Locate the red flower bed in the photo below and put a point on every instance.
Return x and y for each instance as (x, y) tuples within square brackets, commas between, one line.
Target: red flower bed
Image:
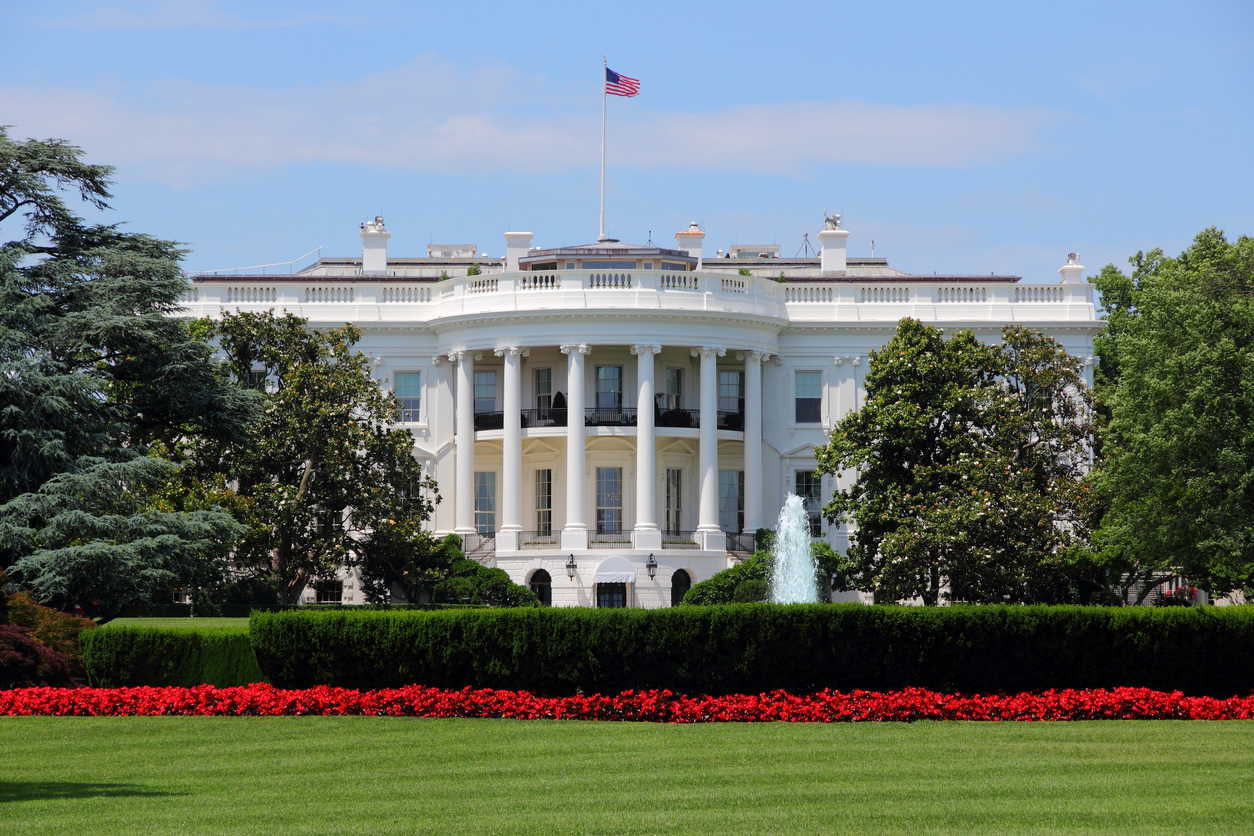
[(648, 706)]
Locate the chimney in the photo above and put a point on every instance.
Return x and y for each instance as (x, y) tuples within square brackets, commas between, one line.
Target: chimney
[(374, 247), (1072, 270), (832, 245), (517, 245), (690, 241)]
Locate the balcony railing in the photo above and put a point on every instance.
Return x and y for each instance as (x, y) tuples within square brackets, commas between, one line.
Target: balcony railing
[(479, 546), (742, 543), (679, 539), (550, 539), (609, 539), (601, 417)]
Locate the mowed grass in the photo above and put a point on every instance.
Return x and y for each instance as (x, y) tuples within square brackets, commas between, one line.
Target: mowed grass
[(285, 775), (179, 623)]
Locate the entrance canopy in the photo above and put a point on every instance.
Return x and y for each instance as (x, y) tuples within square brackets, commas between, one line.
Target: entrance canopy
[(615, 570)]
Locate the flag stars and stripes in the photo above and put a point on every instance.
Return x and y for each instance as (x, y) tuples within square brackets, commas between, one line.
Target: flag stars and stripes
[(620, 85)]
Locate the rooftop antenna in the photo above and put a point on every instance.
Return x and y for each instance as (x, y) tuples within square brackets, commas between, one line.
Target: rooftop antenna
[(872, 248), (650, 243), (806, 247)]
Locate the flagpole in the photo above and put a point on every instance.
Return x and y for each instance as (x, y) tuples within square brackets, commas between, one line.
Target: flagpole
[(604, 64)]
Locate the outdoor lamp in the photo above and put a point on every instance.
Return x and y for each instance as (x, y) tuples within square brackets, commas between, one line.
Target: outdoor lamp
[(571, 566), (651, 565)]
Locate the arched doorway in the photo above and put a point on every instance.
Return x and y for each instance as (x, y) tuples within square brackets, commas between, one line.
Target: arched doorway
[(542, 585), (681, 582)]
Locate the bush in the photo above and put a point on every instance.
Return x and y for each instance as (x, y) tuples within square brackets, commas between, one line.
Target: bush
[(26, 662), (721, 589), (52, 628), (751, 648), (127, 656), (749, 591)]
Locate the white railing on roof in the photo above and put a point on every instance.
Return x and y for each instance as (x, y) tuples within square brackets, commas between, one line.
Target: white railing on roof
[(540, 281), (884, 293), (962, 294), (250, 293), (809, 293), (1040, 293), (609, 280), (414, 294), (290, 265), (315, 294), (679, 281)]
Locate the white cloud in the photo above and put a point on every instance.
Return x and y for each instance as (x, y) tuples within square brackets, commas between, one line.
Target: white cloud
[(174, 14), (431, 115)]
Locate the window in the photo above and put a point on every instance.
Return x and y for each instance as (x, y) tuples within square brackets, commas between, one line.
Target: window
[(809, 397), (731, 392), (609, 265), (731, 501), (485, 392), (409, 393), (544, 390), (810, 489), (542, 585), (674, 481), (674, 397), (609, 388), (544, 502), (329, 592), (256, 379), (609, 500), (485, 502), (181, 596), (612, 595), (681, 582)]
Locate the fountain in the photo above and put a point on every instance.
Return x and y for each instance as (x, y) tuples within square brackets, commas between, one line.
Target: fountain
[(792, 566)]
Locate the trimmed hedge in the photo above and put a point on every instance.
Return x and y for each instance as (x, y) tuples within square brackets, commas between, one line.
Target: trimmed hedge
[(751, 648), (129, 656)]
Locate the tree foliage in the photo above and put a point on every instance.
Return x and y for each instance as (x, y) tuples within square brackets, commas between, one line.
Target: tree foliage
[(1177, 381), (963, 468), (95, 369)]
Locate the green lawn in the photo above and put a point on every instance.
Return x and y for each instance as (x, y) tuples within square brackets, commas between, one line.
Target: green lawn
[(179, 623), (391, 775)]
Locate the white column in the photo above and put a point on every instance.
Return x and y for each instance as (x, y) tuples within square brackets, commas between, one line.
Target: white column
[(511, 459), (753, 440), (464, 475), (646, 534), (575, 534), (707, 515)]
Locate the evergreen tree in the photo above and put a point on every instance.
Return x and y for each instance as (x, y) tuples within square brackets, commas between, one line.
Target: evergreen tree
[(96, 369), (963, 468)]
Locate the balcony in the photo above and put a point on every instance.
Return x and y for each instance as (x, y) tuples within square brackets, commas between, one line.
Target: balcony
[(603, 417)]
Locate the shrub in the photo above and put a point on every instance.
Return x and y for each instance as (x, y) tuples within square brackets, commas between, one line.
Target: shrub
[(128, 656), (750, 590), (753, 648), (52, 628), (26, 662), (721, 589)]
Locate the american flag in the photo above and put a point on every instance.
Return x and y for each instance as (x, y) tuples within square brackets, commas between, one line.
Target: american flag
[(620, 85)]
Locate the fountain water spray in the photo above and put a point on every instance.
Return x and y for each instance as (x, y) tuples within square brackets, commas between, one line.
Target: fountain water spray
[(792, 566)]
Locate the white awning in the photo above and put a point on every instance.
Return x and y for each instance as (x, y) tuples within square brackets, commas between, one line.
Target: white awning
[(615, 570)]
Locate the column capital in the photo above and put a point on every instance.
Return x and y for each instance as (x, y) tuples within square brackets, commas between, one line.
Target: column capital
[(457, 356), (709, 351), (437, 359), (579, 348), (850, 359), (646, 348), (512, 350), (753, 356)]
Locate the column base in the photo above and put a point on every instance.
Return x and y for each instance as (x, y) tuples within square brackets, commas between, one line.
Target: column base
[(646, 538), (574, 539), (712, 540), (507, 540)]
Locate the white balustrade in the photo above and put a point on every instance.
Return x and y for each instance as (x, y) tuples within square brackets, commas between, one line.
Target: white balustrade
[(885, 293), (483, 286), (1039, 293), (540, 281), (962, 294), (735, 286), (409, 294), (808, 294), (316, 294), (609, 280), (237, 295), (679, 281)]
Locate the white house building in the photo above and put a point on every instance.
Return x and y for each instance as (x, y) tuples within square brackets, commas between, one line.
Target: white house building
[(611, 423)]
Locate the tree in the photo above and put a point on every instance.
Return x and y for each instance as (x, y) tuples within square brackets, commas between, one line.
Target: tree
[(95, 369), (324, 480), (1177, 380), (965, 466)]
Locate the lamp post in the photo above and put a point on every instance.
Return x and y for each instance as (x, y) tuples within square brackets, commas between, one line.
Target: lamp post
[(651, 565), (571, 566)]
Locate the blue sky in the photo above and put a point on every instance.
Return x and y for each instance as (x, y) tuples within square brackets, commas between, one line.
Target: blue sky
[(964, 137)]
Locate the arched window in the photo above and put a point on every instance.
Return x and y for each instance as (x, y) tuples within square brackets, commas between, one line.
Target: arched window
[(681, 582), (542, 586)]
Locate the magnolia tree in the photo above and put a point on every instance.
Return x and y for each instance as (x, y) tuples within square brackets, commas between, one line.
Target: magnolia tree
[(963, 472)]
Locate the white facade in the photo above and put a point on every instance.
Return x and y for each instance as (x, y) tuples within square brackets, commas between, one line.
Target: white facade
[(742, 374)]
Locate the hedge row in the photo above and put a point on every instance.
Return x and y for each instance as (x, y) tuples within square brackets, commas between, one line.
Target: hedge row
[(118, 657), (753, 648)]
